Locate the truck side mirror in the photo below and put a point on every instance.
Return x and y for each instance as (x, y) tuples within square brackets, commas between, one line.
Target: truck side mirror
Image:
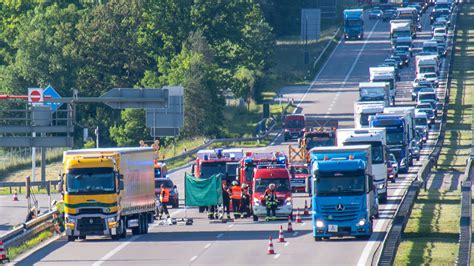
[(120, 183), (192, 169)]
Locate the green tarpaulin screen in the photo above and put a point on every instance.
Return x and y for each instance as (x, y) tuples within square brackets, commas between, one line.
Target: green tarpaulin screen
[(203, 191)]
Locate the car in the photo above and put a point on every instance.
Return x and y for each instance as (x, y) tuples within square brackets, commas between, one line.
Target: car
[(388, 15), (403, 48), (375, 14), (392, 62), (428, 110), (398, 59), (404, 56), (440, 32), (173, 189), (422, 83), (419, 87), (418, 8), (393, 165), (430, 77), (414, 150), (442, 50)]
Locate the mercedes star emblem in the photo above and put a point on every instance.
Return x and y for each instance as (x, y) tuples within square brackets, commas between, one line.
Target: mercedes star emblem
[(339, 207)]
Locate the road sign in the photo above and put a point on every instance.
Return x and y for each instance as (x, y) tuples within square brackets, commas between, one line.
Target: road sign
[(50, 91), (170, 117), (164, 132), (122, 98), (35, 95)]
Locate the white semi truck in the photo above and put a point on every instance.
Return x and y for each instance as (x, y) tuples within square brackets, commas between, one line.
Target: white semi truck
[(362, 111)]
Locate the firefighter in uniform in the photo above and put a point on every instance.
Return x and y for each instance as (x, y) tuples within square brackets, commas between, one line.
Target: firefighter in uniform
[(245, 201), (225, 200), (164, 199), (271, 202), (236, 197)]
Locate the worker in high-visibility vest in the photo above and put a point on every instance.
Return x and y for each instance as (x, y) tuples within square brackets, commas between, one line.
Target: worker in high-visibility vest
[(271, 202), (164, 199), (236, 197)]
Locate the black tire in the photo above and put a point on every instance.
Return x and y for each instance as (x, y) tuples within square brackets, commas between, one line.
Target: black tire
[(123, 233), (383, 199), (115, 237), (145, 226), (255, 218), (82, 237), (317, 238), (71, 238)]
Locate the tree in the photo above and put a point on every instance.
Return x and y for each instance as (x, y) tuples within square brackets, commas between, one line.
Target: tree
[(193, 68), (131, 128)]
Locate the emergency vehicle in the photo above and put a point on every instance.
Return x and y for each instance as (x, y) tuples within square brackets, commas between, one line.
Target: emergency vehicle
[(218, 161), (263, 177), (254, 159), (300, 177)]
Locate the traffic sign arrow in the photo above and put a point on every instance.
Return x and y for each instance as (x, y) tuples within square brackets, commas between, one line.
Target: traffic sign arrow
[(50, 91)]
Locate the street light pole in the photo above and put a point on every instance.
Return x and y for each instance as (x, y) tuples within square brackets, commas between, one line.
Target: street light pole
[(97, 137)]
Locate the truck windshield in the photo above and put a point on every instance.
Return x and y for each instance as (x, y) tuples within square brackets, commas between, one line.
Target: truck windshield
[(294, 124), (430, 49), (90, 181), (376, 149), (428, 96), (339, 184), (372, 94), (394, 138), (354, 23), (209, 169), (427, 69), (321, 141), (421, 121), (404, 33), (232, 169), (281, 184)]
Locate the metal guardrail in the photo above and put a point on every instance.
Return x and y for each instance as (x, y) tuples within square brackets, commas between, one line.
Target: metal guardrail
[(393, 237), (465, 223), (19, 185), (27, 230)]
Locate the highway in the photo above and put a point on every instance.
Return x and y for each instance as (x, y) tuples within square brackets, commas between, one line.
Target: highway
[(330, 95)]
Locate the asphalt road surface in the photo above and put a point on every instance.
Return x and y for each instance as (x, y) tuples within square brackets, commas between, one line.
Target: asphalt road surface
[(331, 95)]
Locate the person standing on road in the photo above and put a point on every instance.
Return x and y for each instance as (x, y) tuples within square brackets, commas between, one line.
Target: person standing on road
[(245, 201), (271, 202), (236, 196), (226, 199), (164, 199)]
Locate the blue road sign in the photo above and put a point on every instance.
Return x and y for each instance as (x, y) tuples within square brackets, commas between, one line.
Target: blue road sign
[(50, 91)]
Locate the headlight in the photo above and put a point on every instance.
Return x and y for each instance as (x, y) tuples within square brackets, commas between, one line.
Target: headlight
[(380, 186), (71, 220), (287, 130), (319, 224), (361, 222), (111, 219)]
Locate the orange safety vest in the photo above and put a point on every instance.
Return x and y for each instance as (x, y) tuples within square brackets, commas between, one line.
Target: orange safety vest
[(236, 192), (164, 195)]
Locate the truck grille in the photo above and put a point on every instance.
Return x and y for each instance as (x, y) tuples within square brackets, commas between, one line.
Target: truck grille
[(90, 211), (331, 213), (91, 224)]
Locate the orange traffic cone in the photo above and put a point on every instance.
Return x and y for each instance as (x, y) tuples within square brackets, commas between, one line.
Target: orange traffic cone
[(15, 196), (305, 208), (3, 253), (298, 216), (281, 237), (290, 227), (270, 251)]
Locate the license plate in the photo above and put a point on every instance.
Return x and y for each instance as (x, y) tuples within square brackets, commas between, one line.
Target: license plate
[(332, 228)]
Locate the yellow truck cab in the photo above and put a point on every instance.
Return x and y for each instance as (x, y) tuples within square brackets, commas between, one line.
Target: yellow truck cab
[(107, 191)]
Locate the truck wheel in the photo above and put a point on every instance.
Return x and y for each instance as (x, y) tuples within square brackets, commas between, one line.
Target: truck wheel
[(71, 238), (255, 218), (145, 226), (317, 238), (115, 237), (123, 231), (82, 237), (383, 199)]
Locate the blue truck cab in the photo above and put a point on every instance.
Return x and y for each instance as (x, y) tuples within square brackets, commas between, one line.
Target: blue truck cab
[(398, 137), (344, 197), (353, 23)]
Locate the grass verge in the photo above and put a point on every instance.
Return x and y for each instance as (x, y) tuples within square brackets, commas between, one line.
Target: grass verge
[(432, 233), (14, 252), (458, 139)]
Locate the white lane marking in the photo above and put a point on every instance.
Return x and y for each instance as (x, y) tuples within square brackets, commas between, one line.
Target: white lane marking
[(287, 243), (207, 246), (319, 73), (346, 78), (220, 235), (276, 256), (231, 225), (303, 224), (295, 233), (193, 258), (115, 251)]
